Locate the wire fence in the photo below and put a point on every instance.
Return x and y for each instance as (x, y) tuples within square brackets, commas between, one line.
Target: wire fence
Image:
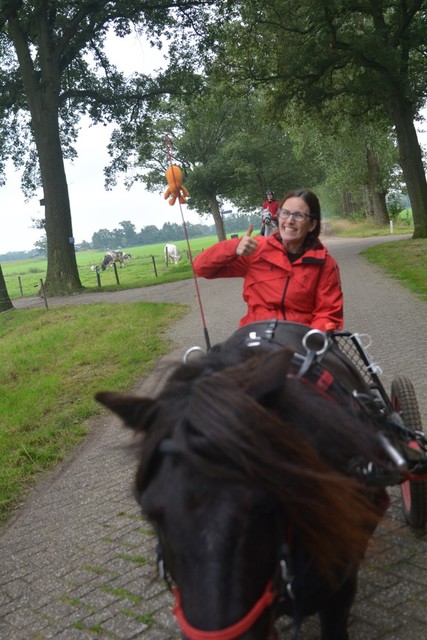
[(26, 287)]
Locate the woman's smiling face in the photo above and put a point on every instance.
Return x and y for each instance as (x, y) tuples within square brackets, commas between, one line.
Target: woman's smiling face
[(293, 232)]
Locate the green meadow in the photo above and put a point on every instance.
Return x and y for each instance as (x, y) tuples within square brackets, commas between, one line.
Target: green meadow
[(147, 267)]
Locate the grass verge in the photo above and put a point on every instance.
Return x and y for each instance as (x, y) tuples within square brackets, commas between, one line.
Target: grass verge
[(405, 260), (56, 361), (344, 228)]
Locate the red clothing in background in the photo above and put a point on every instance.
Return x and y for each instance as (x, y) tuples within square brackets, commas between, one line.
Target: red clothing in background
[(308, 290)]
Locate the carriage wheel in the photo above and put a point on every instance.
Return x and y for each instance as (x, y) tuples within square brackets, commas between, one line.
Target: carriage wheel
[(414, 493)]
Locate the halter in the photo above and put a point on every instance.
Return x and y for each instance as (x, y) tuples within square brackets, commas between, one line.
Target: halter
[(269, 596), (233, 631)]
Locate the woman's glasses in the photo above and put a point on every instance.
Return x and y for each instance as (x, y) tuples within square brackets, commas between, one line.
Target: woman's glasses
[(296, 215)]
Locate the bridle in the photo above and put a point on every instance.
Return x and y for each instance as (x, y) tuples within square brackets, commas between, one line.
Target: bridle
[(233, 631), (276, 590)]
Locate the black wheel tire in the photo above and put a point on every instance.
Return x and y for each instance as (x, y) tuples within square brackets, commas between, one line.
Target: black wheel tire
[(414, 493)]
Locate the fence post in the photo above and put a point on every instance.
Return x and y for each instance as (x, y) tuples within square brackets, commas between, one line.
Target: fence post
[(43, 294), (115, 273), (20, 286), (154, 265), (98, 277)]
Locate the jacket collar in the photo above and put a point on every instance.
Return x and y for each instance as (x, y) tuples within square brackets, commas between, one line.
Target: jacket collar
[(315, 255)]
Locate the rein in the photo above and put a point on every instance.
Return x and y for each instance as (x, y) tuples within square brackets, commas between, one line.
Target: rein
[(228, 633)]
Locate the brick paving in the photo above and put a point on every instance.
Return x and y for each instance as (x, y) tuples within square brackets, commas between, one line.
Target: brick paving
[(76, 558)]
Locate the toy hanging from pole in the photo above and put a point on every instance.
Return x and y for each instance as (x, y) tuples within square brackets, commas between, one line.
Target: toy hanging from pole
[(175, 190)]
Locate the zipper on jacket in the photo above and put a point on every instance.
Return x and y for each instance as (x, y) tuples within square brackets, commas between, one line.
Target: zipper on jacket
[(282, 302)]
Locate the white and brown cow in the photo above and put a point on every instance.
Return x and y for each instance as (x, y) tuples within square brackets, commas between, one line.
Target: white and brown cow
[(114, 257)]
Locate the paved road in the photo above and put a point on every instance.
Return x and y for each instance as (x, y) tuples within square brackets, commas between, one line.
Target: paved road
[(77, 561)]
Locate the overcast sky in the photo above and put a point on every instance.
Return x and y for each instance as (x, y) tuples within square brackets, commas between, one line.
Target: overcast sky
[(92, 207)]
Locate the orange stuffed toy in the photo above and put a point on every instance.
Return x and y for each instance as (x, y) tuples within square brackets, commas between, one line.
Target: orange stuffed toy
[(175, 189)]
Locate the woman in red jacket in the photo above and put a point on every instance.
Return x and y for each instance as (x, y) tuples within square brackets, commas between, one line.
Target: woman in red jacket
[(287, 276)]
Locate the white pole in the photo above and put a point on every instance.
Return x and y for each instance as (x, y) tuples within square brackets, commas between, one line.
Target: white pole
[(391, 226)]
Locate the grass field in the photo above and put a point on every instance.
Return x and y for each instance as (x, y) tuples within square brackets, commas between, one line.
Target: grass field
[(146, 268)]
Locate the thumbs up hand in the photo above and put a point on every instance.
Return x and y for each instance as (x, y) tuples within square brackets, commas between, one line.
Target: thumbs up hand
[(247, 245)]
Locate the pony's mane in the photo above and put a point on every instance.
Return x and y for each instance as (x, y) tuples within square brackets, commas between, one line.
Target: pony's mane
[(237, 416)]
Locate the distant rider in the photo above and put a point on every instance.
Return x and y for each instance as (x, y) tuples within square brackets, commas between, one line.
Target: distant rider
[(272, 205)]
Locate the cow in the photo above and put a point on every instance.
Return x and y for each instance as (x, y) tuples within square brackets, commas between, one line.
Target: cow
[(113, 257), (171, 253)]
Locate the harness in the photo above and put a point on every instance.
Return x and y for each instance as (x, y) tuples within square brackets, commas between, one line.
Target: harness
[(309, 370)]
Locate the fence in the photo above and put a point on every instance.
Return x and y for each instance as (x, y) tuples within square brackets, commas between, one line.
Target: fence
[(26, 289)]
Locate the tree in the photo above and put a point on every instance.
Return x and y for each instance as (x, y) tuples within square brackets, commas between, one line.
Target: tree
[(103, 239), (41, 246), (130, 237), (53, 69), (150, 235), (375, 52), (199, 127), (228, 151), (359, 169), (5, 301)]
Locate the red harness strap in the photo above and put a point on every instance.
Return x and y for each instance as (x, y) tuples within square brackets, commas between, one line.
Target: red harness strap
[(231, 632)]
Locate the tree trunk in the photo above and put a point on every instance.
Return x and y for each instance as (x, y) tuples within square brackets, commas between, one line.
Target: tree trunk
[(349, 208), (411, 163), (367, 203), (62, 275), (219, 222), (42, 92), (376, 193), (5, 301)]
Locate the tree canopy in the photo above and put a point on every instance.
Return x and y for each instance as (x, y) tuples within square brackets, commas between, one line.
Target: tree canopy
[(373, 53), (229, 151), (53, 69)]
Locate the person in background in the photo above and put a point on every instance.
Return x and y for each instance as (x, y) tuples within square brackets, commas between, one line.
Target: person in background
[(272, 205), (287, 276)]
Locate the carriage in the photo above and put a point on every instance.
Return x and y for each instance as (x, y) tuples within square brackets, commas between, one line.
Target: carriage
[(264, 471), (396, 417), (403, 417)]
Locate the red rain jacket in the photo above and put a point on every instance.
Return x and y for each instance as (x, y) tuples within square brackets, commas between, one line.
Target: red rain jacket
[(273, 207), (306, 291)]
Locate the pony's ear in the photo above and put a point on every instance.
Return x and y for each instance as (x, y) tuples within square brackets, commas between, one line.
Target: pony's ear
[(135, 412)]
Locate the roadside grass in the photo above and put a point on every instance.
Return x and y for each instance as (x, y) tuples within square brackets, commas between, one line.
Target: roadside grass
[(405, 260), (345, 228), (53, 363)]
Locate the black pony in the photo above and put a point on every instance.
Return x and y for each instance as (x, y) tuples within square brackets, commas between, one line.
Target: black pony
[(244, 471)]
